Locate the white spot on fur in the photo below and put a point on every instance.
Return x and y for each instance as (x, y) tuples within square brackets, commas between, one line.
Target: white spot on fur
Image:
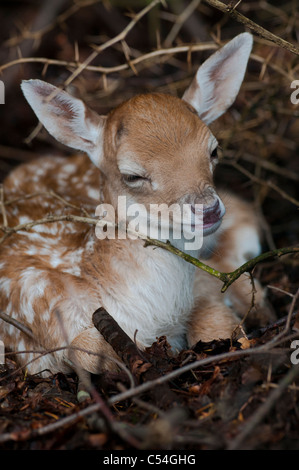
[(93, 193), (33, 285), (247, 244), (24, 219), (55, 260), (70, 168), (5, 286)]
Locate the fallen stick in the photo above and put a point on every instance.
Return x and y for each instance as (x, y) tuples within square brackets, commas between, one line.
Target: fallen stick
[(136, 360)]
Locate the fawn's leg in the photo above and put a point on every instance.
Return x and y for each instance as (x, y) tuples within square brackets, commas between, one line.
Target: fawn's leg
[(91, 352), (215, 315), (211, 318)]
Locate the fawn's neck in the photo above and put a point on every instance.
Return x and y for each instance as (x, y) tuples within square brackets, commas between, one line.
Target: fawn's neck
[(146, 289)]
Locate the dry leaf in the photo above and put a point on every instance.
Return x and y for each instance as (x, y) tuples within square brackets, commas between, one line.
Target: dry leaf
[(245, 342)]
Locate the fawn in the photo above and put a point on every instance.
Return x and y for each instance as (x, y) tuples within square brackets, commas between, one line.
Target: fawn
[(153, 148)]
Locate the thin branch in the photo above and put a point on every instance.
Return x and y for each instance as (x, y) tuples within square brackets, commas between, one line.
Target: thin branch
[(226, 278), (20, 326), (188, 11), (250, 265), (260, 181), (264, 409), (144, 387), (188, 367), (118, 68), (119, 37), (136, 360), (49, 219), (269, 165), (37, 34), (264, 33), (287, 326), (138, 60), (50, 193)]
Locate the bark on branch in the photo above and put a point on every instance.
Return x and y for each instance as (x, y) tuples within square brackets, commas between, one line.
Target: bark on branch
[(141, 367), (264, 33), (226, 278)]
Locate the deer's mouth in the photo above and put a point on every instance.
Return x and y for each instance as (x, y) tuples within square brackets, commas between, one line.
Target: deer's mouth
[(211, 218), (212, 215)]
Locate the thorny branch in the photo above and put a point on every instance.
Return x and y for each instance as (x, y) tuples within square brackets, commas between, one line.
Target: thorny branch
[(264, 33), (60, 19), (147, 57), (117, 68), (120, 37)]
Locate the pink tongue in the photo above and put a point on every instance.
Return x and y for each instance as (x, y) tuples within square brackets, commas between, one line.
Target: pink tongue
[(211, 215)]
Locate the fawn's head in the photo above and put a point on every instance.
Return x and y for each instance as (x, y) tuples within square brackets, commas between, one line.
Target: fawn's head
[(153, 148)]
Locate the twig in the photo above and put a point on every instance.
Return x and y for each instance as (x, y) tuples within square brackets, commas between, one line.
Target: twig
[(49, 219), (182, 370), (282, 291), (12, 321), (277, 338), (144, 387), (249, 265), (17, 154), (46, 14), (119, 37), (36, 34), (42, 352), (226, 278), (136, 360), (118, 68), (260, 181), (264, 409), (50, 193), (264, 33), (251, 306), (122, 344), (273, 326), (188, 11), (268, 165), (101, 406)]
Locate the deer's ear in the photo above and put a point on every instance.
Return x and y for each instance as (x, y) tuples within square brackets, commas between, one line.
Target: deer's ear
[(218, 79), (66, 118)]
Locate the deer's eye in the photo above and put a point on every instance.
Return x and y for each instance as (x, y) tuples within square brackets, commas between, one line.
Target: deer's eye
[(214, 154), (133, 180)]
